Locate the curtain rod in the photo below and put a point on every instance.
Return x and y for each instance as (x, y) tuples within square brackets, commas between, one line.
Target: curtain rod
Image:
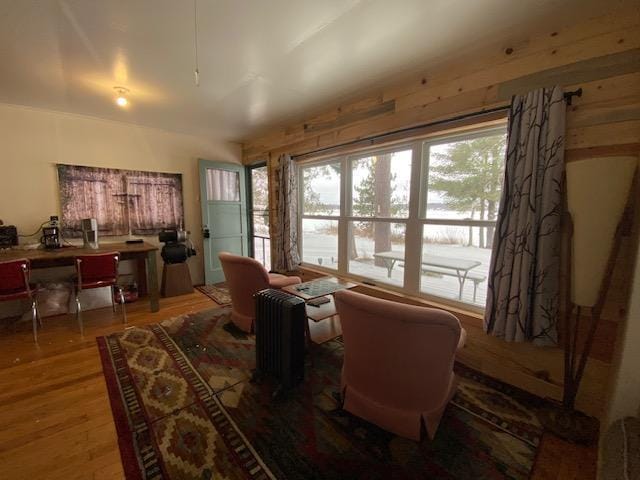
[(568, 96), (375, 138)]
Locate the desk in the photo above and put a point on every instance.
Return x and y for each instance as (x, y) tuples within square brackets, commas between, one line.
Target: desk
[(460, 266), (144, 254)]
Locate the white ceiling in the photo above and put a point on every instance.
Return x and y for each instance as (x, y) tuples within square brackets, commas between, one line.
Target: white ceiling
[(262, 62)]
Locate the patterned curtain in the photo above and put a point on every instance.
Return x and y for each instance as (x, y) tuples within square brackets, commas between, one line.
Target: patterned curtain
[(524, 284), (285, 234)]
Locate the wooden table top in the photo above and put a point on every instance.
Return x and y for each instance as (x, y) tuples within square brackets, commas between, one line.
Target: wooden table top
[(67, 252)]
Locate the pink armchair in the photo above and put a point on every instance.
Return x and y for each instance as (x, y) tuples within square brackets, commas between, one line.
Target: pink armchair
[(398, 362), (245, 277)]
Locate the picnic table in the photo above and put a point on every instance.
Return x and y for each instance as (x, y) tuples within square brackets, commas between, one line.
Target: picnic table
[(458, 267)]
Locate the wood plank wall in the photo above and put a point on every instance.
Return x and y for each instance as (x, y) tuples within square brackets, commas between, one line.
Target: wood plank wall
[(601, 55)]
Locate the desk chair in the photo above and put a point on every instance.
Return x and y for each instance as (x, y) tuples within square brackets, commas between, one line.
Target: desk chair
[(96, 271), (14, 285)]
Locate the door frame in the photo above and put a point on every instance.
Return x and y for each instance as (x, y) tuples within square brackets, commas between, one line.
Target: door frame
[(249, 168), (203, 165)]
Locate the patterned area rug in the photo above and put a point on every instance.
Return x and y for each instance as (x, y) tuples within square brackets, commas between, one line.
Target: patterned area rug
[(184, 409), (220, 295)]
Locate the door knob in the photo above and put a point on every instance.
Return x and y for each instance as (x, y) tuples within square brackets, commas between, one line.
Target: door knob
[(206, 233)]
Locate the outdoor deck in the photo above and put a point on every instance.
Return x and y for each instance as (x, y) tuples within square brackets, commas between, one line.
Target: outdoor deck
[(321, 249)]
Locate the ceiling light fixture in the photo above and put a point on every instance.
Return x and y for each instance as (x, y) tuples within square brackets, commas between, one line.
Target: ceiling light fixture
[(121, 99)]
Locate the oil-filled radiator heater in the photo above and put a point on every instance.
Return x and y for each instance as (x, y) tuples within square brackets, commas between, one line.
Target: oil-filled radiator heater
[(280, 338)]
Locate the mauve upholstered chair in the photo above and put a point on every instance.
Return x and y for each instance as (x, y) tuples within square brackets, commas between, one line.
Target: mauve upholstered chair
[(245, 277), (398, 362)]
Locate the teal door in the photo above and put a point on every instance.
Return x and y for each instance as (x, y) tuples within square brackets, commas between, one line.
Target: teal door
[(224, 214)]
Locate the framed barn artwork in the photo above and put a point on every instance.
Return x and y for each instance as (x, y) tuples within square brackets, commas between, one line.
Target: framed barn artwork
[(124, 202)]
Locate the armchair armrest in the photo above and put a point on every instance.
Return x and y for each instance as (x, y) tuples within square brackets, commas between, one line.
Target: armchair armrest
[(463, 339)]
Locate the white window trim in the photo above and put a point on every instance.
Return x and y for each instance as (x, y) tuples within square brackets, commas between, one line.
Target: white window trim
[(414, 222)]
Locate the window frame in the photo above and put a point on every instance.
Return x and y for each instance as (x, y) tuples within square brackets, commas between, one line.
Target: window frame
[(349, 218), (251, 211), (414, 223), (302, 216)]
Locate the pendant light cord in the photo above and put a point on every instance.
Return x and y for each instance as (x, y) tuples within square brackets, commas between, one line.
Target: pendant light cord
[(195, 41)]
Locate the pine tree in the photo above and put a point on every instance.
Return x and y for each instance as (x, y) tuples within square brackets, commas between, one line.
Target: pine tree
[(469, 176), (374, 198)]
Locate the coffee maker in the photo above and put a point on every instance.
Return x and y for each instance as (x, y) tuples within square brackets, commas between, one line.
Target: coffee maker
[(89, 232), (51, 234)]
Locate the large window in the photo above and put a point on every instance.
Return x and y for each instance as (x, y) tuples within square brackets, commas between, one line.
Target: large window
[(419, 216)]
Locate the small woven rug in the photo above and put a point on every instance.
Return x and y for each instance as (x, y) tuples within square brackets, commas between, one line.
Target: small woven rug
[(220, 295), (184, 409)]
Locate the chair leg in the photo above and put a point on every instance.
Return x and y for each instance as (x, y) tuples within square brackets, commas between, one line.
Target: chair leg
[(79, 314), (113, 300), (124, 310), (38, 313), (34, 320)]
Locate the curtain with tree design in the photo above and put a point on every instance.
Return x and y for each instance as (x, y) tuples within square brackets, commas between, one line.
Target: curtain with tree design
[(523, 287), (285, 235)]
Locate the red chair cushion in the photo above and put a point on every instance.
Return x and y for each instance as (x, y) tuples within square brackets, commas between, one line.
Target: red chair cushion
[(96, 271), (12, 279)]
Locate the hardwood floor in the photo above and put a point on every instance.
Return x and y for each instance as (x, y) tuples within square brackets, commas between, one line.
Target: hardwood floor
[(55, 418)]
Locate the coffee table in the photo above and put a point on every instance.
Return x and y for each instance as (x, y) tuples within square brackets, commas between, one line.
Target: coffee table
[(321, 331)]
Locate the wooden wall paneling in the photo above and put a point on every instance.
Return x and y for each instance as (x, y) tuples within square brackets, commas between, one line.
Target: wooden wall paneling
[(622, 149), (588, 70), (607, 89), (461, 78), (467, 102), (516, 69), (605, 101), (480, 99), (453, 82), (607, 112), (512, 50), (354, 115), (605, 134)]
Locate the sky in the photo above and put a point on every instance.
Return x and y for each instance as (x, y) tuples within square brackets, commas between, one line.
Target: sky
[(328, 187)]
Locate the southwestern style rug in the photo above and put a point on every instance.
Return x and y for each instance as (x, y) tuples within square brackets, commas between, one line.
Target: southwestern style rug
[(184, 408), (220, 295)]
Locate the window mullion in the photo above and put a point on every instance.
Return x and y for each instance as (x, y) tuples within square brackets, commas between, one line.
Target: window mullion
[(413, 244), (345, 209)]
